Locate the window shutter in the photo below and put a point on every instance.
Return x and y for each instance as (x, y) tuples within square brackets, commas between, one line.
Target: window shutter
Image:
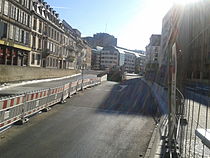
[(24, 37), (11, 32), (6, 6)]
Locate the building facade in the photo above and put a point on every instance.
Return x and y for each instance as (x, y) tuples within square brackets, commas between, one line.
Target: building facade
[(193, 43), (153, 49), (109, 58), (117, 57), (15, 32), (152, 56), (101, 39), (96, 58), (31, 34)]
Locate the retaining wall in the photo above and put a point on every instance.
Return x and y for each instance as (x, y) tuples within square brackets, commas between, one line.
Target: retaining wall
[(19, 73)]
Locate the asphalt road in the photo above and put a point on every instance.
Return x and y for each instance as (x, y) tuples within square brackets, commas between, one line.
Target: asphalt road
[(110, 120)]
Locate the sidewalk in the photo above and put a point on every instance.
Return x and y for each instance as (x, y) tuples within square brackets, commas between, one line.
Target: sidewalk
[(155, 148)]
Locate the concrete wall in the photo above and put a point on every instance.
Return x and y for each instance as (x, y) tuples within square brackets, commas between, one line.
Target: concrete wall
[(104, 78), (17, 73)]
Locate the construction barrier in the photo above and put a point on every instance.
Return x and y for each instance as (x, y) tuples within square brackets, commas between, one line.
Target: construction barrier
[(86, 83), (11, 110), (18, 107), (54, 96), (66, 88), (79, 84), (73, 88), (34, 102)]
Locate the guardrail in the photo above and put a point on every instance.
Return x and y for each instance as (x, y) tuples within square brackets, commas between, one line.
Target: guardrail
[(19, 107)]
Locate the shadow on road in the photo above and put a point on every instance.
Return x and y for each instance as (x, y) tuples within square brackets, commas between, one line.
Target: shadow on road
[(130, 97)]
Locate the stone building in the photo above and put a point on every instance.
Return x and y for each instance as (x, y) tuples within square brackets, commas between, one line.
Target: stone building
[(96, 58), (117, 57), (188, 28), (153, 49), (101, 39), (15, 32), (109, 57), (152, 56), (69, 46), (193, 42), (88, 56), (31, 34)]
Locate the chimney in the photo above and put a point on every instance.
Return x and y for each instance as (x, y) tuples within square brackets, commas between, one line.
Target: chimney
[(51, 9), (57, 15)]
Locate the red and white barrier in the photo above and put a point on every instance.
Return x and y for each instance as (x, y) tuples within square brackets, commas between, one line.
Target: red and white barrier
[(19, 107)]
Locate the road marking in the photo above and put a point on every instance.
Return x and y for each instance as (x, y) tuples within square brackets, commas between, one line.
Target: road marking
[(122, 87)]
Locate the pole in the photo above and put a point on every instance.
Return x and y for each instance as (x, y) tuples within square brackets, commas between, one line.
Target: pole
[(82, 76)]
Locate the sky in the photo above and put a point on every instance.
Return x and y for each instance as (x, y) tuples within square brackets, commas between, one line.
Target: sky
[(132, 22)]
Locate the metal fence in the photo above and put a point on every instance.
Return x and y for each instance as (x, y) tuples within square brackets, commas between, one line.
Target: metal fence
[(184, 75), (18, 107)]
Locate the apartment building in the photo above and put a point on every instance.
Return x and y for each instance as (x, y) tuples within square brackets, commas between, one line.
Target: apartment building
[(69, 46), (193, 49), (96, 58), (116, 57), (109, 57), (31, 34), (102, 40), (153, 49), (15, 32)]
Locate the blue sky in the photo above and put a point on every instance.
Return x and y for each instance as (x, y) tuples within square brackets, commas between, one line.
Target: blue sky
[(131, 21)]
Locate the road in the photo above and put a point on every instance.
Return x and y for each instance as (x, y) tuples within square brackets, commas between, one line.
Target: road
[(110, 120)]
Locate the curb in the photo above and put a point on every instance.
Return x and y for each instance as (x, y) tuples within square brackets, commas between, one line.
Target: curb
[(150, 149), (8, 85), (154, 147)]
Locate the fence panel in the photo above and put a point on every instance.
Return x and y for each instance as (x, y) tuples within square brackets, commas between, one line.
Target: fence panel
[(11, 110)]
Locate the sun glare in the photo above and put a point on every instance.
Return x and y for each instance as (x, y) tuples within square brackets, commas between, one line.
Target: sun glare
[(184, 2)]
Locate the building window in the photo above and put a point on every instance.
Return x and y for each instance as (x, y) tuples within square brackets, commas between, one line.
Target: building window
[(51, 62), (27, 38), (34, 24), (6, 6), (22, 36), (12, 8), (34, 42), (49, 31), (29, 21), (23, 18), (16, 14), (38, 59), (11, 32), (39, 43), (5, 30), (40, 26), (17, 33), (52, 32), (32, 58), (19, 15)]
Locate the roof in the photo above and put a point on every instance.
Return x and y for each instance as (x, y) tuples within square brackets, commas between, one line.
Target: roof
[(121, 50)]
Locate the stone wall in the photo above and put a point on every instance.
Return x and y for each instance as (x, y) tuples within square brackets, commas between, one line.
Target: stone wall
[(18, 73)]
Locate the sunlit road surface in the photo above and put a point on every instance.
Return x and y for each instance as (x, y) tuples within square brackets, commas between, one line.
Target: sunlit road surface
[(109, 120), (132, 76)]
